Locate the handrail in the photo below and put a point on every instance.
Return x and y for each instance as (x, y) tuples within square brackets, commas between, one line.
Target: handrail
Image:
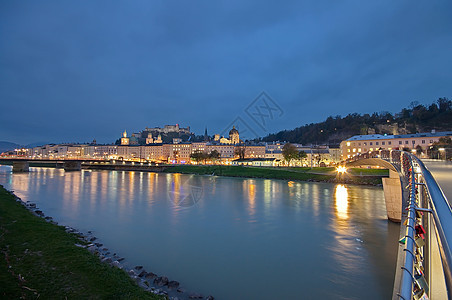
[(406, 287)]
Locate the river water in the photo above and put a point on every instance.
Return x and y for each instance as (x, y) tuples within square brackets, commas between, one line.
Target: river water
[(232, 238)]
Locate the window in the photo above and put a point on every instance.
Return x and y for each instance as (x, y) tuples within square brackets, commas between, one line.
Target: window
[(354, 149), (370, 143), (423, 141), (382, 143), (348, 150), (413, 141), (348, 143), (406, 142), (365, 144), (400, 142), (359, 149), (376, 143), (389, 143), (359, 144)]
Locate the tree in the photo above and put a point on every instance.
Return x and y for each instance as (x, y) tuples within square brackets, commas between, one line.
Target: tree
[(302, 155), (443, 148), (289, 152), (198, 156), (214, 155), (418, 150), (240, 151)]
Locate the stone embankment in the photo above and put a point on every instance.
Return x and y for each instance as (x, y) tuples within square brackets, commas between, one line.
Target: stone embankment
[(149, 281)]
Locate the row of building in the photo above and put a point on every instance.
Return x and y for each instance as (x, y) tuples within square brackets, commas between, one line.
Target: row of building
[(228, 149), (180, 152)]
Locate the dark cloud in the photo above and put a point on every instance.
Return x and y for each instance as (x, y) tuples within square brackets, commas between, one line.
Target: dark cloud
[(73, 72)]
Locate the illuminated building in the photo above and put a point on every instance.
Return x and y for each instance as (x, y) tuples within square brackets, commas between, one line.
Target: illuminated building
[(365, 143), (124, 139)]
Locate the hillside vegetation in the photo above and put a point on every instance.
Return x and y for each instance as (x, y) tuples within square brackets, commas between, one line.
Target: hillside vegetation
[(416, 118)]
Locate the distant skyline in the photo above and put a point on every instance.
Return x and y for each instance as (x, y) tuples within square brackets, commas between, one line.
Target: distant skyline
[(78, 71)]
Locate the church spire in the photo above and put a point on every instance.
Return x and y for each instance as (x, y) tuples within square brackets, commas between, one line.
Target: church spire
[(206, 136)]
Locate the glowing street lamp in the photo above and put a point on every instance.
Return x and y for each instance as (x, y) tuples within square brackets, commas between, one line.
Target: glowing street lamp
[(445, 153), (341, 169)]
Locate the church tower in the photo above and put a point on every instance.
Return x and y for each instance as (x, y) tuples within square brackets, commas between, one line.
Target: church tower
[(234, 136), (206, 136), (149, 139), (124, 139)]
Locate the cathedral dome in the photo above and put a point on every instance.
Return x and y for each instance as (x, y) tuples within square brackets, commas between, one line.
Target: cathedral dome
[(233, 131)]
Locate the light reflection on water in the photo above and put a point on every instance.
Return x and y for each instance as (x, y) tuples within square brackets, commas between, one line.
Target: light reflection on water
[(240, 238)]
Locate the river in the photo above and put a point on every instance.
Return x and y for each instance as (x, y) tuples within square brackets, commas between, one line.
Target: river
[(233, 238)]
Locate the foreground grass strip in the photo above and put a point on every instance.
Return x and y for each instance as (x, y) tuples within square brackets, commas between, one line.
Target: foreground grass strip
[(40, 259)]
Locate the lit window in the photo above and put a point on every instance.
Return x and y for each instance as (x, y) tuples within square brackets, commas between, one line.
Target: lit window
[(359, 149), (354, 149)]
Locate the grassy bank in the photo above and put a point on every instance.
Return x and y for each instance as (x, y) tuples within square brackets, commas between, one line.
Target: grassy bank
[(369, 176), (40, 259)]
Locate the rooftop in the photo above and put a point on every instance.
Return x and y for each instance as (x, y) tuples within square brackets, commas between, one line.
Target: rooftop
[(398, 136)]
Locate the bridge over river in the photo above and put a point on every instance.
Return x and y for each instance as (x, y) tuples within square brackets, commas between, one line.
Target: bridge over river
[(413, 196)]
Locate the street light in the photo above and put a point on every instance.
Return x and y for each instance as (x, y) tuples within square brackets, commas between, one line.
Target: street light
[(445, 153)]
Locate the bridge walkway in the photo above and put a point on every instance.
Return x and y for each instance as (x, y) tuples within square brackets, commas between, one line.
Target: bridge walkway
[(442, 171)]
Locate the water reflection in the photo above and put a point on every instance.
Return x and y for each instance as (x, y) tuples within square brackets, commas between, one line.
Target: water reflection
[(341, 196), (251, 199)]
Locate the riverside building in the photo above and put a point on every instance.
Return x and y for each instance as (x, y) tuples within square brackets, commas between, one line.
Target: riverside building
[(371, 142)]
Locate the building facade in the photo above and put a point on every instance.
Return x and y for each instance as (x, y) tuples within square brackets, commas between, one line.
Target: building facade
[(365, 143)]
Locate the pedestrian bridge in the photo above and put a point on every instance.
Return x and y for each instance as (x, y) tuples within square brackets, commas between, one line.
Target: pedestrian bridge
[(412, 196)]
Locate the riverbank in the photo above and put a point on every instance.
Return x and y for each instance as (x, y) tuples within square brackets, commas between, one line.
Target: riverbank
[(353, 176), (42, 259)]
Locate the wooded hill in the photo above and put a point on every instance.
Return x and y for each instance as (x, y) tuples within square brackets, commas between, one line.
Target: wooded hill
[(416, 118)]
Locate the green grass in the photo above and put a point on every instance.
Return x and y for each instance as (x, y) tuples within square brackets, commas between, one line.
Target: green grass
[(299, 174), (369, 172), (39, 259)]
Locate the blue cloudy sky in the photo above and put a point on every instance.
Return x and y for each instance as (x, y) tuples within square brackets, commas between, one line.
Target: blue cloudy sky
[(71, 71)]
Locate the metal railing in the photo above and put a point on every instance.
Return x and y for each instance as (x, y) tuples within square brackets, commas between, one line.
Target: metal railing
[(416, 174), (435, 203), (406, 287), (441, 211)]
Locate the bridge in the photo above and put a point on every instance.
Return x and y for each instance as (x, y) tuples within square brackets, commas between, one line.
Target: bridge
[(413, 197), (23, 164)]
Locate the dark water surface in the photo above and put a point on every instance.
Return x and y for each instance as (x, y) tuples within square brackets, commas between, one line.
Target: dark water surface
[(229, 237)]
